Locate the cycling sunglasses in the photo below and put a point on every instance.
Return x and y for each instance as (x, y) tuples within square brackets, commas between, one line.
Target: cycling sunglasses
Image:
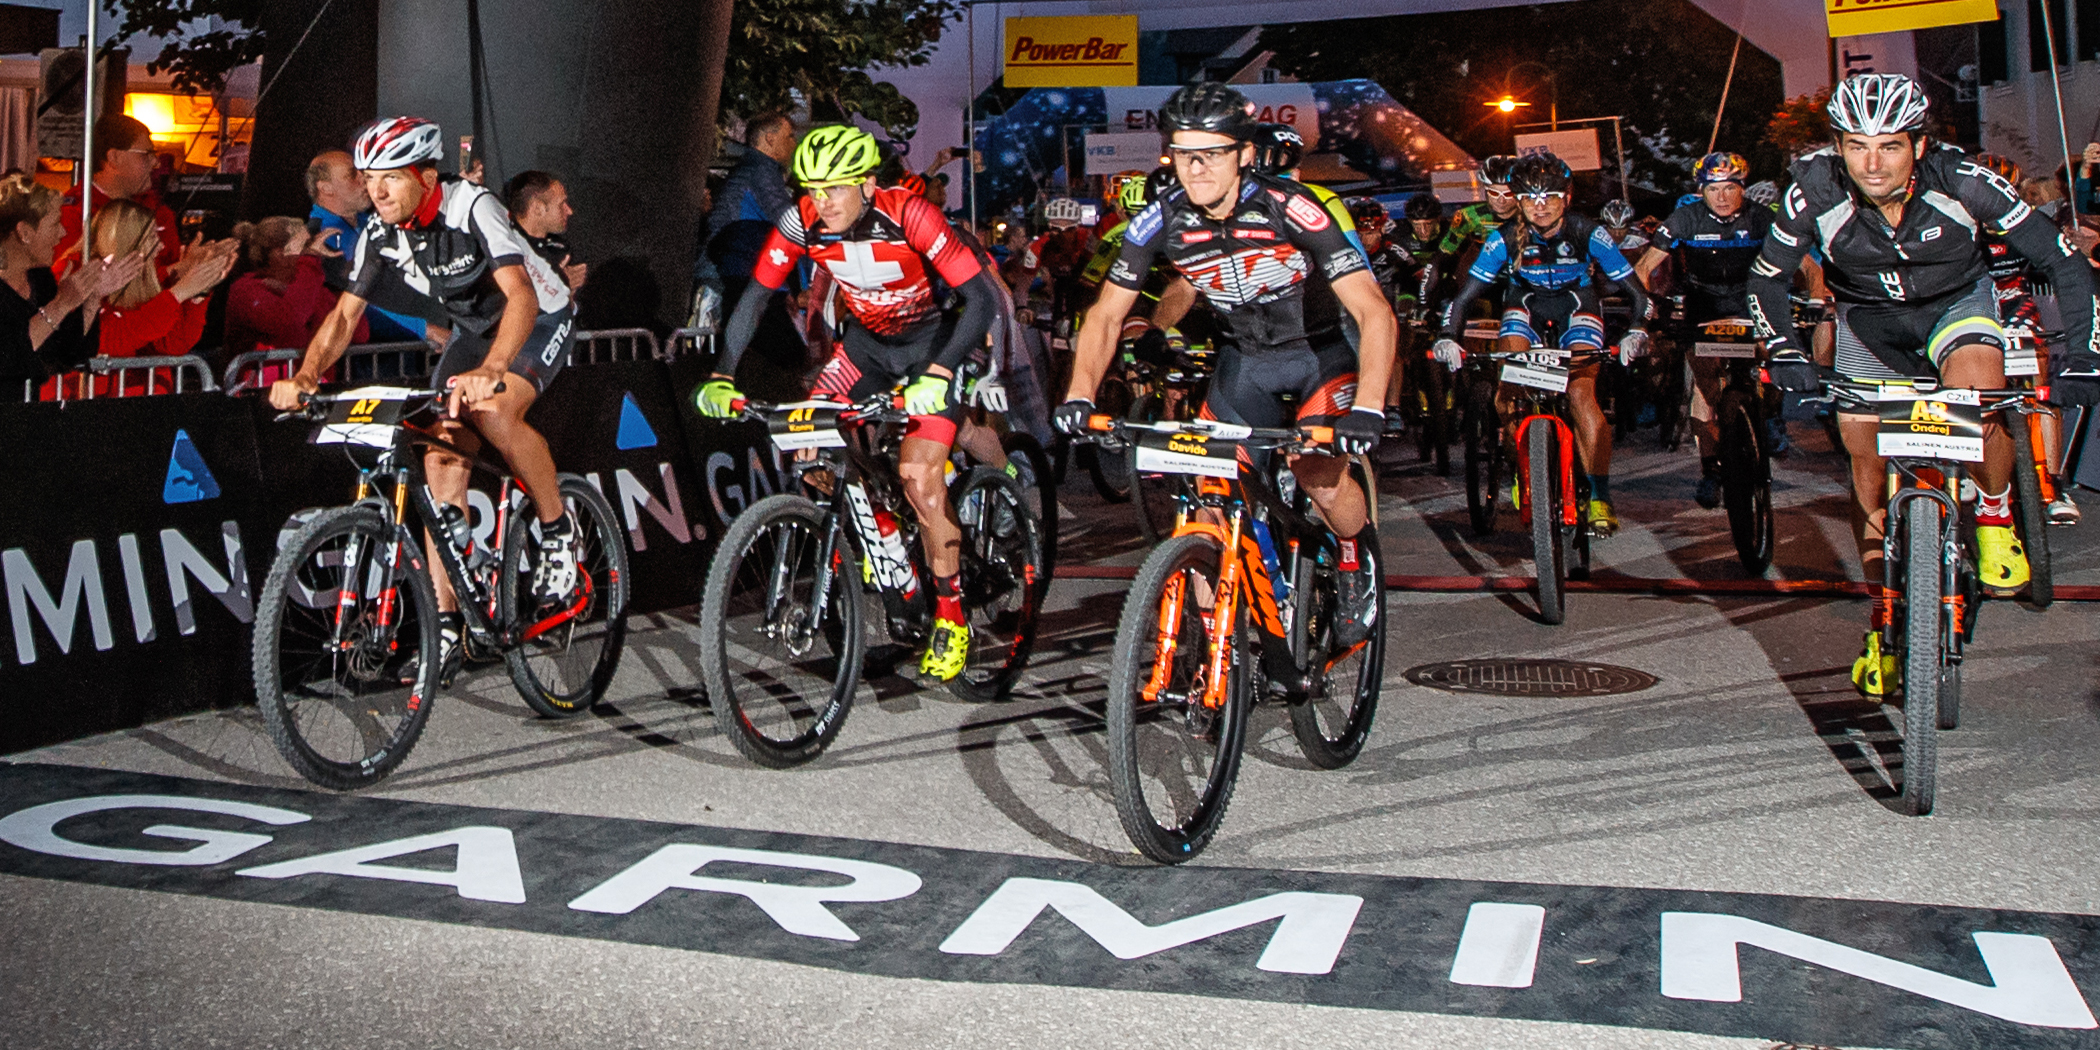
[(1541, 198)]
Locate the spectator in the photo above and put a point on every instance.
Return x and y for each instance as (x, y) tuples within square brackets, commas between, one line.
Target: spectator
[(539, 204), (142, 318), (2088, 199), (754, 195), (340, 209), (41, 317), (282, 299), (123, 171)]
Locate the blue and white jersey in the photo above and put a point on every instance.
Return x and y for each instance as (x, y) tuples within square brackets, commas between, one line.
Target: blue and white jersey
[(1558, 260)]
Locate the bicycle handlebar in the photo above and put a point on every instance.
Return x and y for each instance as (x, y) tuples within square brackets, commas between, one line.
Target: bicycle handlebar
[(1307, 437)]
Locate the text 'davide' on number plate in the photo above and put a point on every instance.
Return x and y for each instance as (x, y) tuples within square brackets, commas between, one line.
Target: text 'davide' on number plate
[(807, 424), (2020, 359), (1944, 424), (1540, 370), (1187, 454)]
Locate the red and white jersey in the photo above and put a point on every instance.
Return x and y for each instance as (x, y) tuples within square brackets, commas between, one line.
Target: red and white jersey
[(881, 265)]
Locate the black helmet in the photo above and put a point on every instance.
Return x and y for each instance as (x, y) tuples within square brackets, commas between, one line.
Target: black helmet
[(1368, 214), (1540, 173), (1207, 107), (1160, 181), (1495, 170), (1423, 206), (1277, 148)]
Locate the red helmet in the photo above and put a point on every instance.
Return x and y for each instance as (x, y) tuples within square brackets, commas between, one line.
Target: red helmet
[(914, 183)]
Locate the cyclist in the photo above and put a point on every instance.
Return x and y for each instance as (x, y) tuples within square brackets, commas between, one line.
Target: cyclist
[(1252, 245), (1544, 261), (2025, 300), (1897, 219), (882, 247), (1713, 243), (1403, 261), (1472, 224), (453, 242)]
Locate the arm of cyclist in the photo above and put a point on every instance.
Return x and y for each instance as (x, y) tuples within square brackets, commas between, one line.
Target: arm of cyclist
[(1793, 233), (1175, 302), (521, 306), (2041, 243), (775, 262), (1092, 349), (322, 352), (1484, 273)]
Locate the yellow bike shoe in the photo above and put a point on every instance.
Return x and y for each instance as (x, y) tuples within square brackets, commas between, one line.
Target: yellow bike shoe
[(1874, 674), (2000, 559), (1602, 521), (947, 651), (1516, 492)]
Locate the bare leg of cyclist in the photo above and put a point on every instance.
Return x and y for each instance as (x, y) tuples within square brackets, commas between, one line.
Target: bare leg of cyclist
[(501, 419), (981, 442), (1592, 432), (1983, 368), (1340, 499), (447, 475), (1874, 672), (922, 465)]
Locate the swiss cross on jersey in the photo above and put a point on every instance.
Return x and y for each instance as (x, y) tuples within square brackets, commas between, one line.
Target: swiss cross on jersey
[(883, 265)]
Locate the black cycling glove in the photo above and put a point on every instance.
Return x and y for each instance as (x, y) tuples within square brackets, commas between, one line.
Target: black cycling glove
[(1358, 432), (1071, 416), (1793, 372)]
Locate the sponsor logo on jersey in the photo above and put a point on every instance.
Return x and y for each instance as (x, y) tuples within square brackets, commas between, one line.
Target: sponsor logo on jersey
[(1342, 263), (1932, 234), (1707, 237), (1252, 218), (940, 241), (454, 267), (1307, 213), (1147, 224), (1255, 235), (1196, 236)]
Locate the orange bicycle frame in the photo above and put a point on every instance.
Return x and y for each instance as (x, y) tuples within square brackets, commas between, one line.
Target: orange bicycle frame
[(1564, 439)]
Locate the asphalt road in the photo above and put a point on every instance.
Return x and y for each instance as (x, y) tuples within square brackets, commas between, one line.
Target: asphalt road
[(1749, 768)]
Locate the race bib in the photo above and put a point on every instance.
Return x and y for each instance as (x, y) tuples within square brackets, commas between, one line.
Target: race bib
[(1539, 370), (810, 424), (2020, 358), (1187, 454), (1725, 339), (1944, 424)]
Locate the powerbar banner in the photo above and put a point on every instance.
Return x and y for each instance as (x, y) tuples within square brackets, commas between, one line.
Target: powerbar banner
[(1072, 51), (1858, 17)]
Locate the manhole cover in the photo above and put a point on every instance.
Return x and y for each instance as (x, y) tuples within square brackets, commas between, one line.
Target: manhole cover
[(1531, 678)]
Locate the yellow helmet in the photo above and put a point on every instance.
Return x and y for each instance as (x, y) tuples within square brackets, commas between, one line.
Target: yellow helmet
[(835, 153)]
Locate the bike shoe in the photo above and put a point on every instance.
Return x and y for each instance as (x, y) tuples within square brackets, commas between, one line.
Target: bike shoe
[(452, 648), (1395, 420), (1602, 521), (1516, 492), (947, 651), (2062, 510), (1709, 494), (555, 577), (1358, 611), (1874, 674), (2000, 560)]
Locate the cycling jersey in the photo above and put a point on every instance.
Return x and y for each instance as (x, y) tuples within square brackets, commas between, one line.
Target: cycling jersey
[(1406, 267), (880, 264), (1559, 261), (1932, 256), (1714, 255), (449, 251), (1255, 266), (1470, 225), (2018, 288)]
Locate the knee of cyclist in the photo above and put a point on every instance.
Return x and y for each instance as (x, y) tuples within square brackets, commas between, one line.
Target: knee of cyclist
[(923, 479)]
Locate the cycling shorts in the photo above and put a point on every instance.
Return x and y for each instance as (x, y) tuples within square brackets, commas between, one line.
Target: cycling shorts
[(545, 351), (1569, 316), (1895, 342), (1308, 387), (864, 364)]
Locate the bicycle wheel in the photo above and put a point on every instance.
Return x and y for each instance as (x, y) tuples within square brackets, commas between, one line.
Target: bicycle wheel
[(1003, 580), (1435, 439), (1039, 482), (567, 659), (1483, 455), (1172, 761), (1922, 656), (780, 684), (1746, 482), (1333, 723), (345, 694), (1950, 697), (1110, 471), (1544, 498), (2034, 521)]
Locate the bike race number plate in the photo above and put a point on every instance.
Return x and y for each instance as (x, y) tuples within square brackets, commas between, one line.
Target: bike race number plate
[(806, 424), (2020, 358), (1186, 453), (1725, 339), (366, 416), (1539, 369), (1943, 424)]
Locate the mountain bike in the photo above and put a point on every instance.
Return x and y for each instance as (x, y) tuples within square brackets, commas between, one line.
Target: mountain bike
[(1427, 397), (1552, 491), (1166, 393), (346, 632), (1241, 602), (783, 636), (1740, 420), (2034, 487), (1929, 436)]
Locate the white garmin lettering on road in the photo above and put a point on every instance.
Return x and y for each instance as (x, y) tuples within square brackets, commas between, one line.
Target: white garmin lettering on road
[(798, 909), (2029, 983), (486, 868), (1500, 945), (33, 829), (1308, 939)]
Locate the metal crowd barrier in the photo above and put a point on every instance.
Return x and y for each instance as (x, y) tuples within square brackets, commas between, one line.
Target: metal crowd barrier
[(361, 362), (614, 344), (698, 342), (113, 377)]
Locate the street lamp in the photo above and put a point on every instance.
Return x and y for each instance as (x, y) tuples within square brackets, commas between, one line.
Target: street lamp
[(1506, 104), (1552, 82)]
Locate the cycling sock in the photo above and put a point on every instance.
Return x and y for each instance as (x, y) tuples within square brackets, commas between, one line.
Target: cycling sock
[(1994, 509), (1600, 487), (1709, 466), (558, 527), (947, 598)]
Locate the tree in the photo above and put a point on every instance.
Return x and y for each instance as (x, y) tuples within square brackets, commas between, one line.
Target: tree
[(1800, 124), (818, 52), (1659, 64), (201, 58)]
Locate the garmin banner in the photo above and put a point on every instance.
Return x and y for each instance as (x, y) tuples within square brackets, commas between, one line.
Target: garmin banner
[(140, 531), (1731, 964)]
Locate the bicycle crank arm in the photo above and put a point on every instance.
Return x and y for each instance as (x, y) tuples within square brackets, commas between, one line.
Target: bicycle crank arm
[(583, 599)]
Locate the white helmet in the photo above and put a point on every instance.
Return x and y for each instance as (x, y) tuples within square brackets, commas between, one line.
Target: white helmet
[(398, 142), (1877, 104), (1765, 193), (1062, 212)]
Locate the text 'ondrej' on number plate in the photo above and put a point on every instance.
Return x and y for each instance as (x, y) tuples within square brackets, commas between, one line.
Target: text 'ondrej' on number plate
[(1943, 424), (1539, 369), (806, 424), (1186, 453)]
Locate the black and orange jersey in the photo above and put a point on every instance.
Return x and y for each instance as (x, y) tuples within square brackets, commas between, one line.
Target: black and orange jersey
[(884, 266)]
